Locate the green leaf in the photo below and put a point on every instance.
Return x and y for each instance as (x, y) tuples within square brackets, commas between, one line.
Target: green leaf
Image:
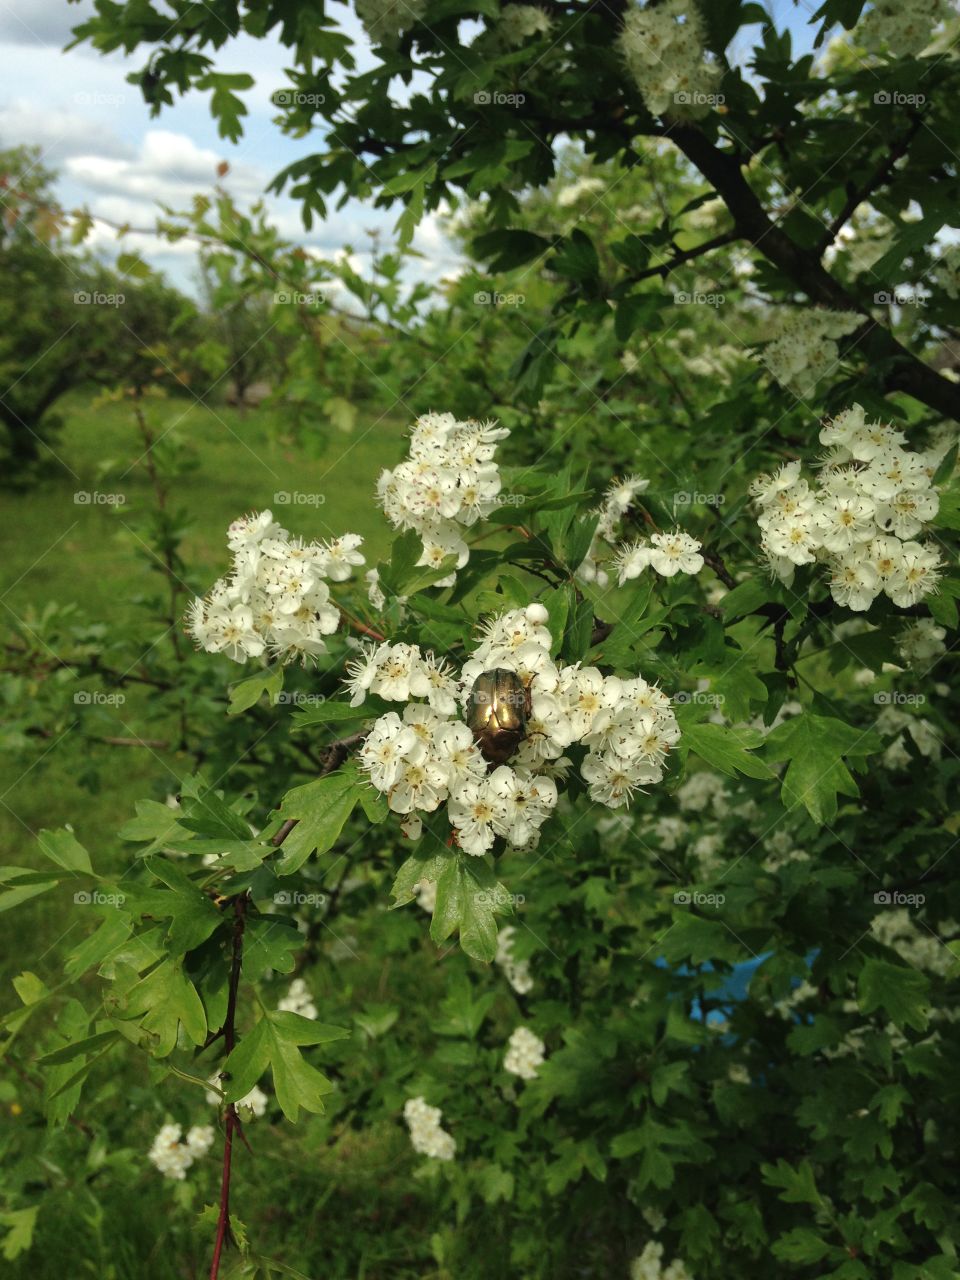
[(20, 1224), (248, 692), (902, 993), (816, 747), (63, 848), (468, 898), (800, 1245), (273, 1045), (727, 749), (166, 1000), (321, 807), (798, 1185), (506, 249)]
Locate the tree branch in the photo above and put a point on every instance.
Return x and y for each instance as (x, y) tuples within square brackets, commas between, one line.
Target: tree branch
[(804, 268)]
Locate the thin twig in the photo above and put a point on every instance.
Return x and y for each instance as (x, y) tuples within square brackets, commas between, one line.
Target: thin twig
[(232, 1120)]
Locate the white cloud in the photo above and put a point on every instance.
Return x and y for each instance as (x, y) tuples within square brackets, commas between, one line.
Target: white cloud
[(59, 133), (41, 22)]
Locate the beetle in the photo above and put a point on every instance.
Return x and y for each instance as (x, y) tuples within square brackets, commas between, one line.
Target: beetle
[(497, 712)]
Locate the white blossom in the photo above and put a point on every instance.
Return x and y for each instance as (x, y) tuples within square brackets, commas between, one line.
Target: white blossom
[(663, 46), (299, 999), (173, 1154), (426, 1134), (276, 599), (873, 496), (804, 349), (449, 481), (525, 1054)]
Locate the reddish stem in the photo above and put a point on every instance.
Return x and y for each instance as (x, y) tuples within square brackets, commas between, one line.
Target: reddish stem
[(232, 1120)]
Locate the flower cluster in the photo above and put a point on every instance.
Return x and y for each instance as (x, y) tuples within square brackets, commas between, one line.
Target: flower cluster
[(903, 27), (385, 21), (649, 1265), (921, 947), (617, 501), (920, 643), (253, 1104), (450, 481), (517, 972), (173, 1154), (665, 553), (428, 757), (426, 1135), (664, 51), (895, 724), (525, 1054), (521, 21), (575, 191), (805, 350), (276, 599), (872, 499), (299, 999)]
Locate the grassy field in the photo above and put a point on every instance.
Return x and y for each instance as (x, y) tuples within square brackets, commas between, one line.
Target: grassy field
[(55, 548)]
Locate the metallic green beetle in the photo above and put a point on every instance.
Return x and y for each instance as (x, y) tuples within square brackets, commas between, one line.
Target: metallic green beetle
[(497, 713)]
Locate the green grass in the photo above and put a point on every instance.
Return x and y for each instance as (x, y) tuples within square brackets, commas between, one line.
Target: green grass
[(53, 548)]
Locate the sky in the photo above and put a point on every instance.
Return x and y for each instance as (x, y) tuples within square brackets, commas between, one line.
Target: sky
[(111, 156)]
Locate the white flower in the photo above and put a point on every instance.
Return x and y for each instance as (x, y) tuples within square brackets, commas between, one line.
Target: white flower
[(663, 47), (675, 553), (525, 1054), (426, 1135), (921, 643), (854, 583), (385, 21), (173, 1154), (517, 971), (299, 999), (804, 350), (276, 598), (385, 748), (449, 481), (901, 28)]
